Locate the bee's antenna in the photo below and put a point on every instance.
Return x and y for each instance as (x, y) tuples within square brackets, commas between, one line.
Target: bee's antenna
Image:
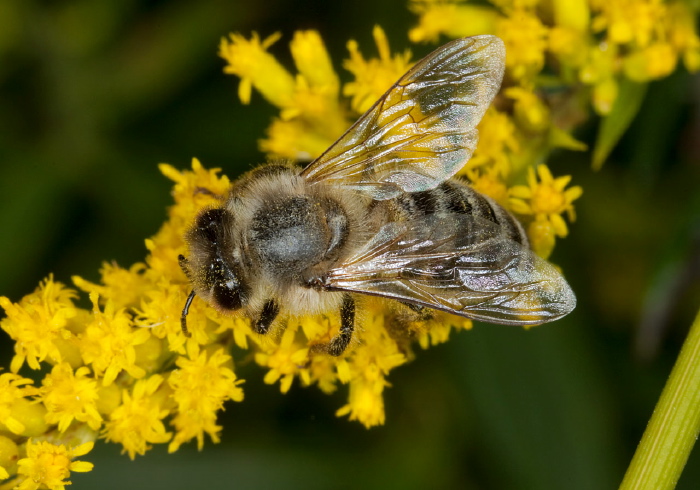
[(185, 311)]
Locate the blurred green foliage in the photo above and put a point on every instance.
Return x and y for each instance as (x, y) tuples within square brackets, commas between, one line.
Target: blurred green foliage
[(94, 94)]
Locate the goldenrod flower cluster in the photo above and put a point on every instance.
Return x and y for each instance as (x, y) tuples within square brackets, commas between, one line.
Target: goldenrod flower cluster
[(596, 43), (123, 371)]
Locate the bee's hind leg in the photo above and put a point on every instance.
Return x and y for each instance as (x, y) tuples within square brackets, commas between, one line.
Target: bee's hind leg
[(340, 342), (418, 312)]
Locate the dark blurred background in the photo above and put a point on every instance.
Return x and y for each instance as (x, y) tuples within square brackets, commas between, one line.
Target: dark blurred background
[(93, 95)]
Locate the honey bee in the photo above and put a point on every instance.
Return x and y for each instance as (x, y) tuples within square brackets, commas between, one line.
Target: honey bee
[(380, 213)]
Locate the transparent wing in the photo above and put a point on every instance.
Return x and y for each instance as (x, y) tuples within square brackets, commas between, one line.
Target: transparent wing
[(422, 131), (459, 264)]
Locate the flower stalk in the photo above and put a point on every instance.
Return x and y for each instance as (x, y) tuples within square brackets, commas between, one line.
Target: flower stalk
[(674, 426)]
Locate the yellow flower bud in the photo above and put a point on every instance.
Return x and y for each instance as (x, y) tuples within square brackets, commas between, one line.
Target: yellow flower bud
[(31, 416), (655, 61), (9, 454), (542, 236)]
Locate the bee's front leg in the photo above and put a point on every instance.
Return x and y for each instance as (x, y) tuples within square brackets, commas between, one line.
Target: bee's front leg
[(267, 315), (208, 192)]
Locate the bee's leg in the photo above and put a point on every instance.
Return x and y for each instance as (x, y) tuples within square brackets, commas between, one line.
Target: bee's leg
[(208, 192), (184, 265), (421, 313), (414, 308), (340, 342), (268, 314)]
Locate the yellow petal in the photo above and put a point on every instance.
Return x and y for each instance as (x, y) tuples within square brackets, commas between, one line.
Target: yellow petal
[(271, 377), (544, 173), (520, 191), (245, 89), (561, 182), (559, 225), (313, 62), (519, 206), (81, 466), (573, 193)]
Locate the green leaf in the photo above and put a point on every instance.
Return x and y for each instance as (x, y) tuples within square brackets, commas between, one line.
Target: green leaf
[(613, 126)]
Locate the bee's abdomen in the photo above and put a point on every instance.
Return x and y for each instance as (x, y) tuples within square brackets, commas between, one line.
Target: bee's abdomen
[(456, 197)]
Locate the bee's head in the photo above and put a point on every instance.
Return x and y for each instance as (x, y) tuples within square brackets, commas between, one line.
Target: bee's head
[(211, 267)]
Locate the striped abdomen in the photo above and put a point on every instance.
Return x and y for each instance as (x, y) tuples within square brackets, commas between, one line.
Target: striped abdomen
[(456, 197)]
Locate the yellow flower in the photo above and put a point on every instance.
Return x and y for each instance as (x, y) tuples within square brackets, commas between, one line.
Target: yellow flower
[(600, 71), (284, 360), (257, 68), (138, 421), (652, 62), (681, 33), (525, 37), (160, 314), (366, 371), (568, 44), (437, 330), (37, 322), (546, 200), (321, 371), (109, 341), (314, 63), (48, 465), (529, 110), (628, 21), (315, 103), (200, 386), (488, 181), (193, 190), (498, 141), (319, 328), (542, 235), (308, 101), (365, 403), (317, 84), (545, 197), (123, 286), (510, 5), (293, 140), (373, 77), (452, 18), (239, 324), (572, 14), (68, 396)]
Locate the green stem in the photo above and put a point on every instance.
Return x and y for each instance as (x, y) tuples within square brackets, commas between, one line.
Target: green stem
[(673, 428)]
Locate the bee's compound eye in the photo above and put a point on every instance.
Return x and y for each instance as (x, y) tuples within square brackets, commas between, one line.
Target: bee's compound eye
[(227, 296), (225, 285), (209, 223)]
